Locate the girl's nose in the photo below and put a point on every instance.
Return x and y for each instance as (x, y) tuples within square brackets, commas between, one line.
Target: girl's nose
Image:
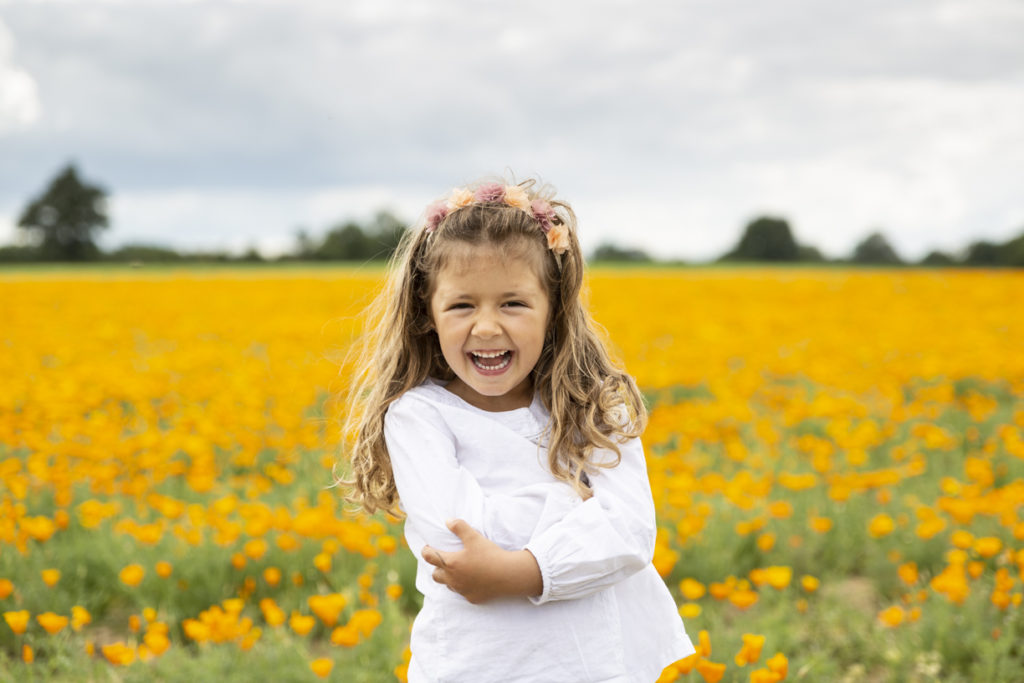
[(486, 327)]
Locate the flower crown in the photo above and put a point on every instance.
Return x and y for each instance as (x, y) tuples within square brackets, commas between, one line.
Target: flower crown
[(512, 195)]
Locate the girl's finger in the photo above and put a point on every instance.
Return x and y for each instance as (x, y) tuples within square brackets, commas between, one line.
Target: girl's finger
[(439, 576), (432, 556)]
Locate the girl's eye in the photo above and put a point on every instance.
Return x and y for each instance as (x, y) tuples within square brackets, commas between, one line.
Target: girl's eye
[(515, 303), (455, 306)]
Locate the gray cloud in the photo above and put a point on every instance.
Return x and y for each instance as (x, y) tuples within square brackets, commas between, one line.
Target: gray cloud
[(684, 119)]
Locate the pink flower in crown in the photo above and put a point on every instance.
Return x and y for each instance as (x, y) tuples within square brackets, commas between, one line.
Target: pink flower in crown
[(435, 214), (516, 196), (543, 213), (489, 193), (558, 238), (460, 197)]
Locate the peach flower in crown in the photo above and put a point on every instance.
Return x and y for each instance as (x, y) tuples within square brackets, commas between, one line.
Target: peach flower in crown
[(517, 197), (460, 197), (558, 239)]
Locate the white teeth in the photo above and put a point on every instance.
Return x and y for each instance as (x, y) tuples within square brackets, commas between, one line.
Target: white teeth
[(500, 366), (493, 354)]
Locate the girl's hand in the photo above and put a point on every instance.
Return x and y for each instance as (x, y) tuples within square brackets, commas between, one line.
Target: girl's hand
[(482, 570)]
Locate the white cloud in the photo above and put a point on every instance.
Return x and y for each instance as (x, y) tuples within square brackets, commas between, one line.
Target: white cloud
[(19, 99), (671, 124)]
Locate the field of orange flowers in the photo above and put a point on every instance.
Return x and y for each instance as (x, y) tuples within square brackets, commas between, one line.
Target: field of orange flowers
[(837, 459)]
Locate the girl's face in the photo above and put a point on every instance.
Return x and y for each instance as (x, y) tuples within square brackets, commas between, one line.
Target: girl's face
[(491, 315)]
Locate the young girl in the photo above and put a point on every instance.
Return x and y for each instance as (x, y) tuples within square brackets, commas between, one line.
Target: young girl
[(487, 409)]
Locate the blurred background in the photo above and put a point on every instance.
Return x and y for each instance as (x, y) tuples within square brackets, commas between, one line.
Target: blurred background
[(880, 132)]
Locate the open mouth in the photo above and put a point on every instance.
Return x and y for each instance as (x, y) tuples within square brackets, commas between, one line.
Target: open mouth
[(491, 360)]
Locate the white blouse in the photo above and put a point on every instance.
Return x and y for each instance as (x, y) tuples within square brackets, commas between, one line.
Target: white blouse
[(604, 614)]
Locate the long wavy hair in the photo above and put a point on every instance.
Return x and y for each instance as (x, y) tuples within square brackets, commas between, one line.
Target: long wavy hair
[(593, 403)]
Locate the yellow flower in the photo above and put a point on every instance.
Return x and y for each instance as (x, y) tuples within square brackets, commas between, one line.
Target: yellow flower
[(118, 653), (988, 546), (689, 610), (50, 577), (52, 623), (764, 676), (751, 650), (132, 575), (327, 607), (692, 589), (322, 561), (163, 569), (778, 664), (881, 525), (778, 577), (79, 617), (346, 636), (18, 621), (322, 667), (821, 524), (157, 642), (908, 573), (6, 588), (711, 672), (301, 624), (365, 621), (255, 548), (27, 654), (892, 616), (809, 583)]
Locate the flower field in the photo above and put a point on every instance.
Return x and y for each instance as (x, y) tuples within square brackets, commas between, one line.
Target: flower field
[(837, 459)]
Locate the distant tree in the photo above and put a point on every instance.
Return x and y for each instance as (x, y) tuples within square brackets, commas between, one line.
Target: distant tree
[(145, 253), (304, 245), (875, 250), (810, 254), (346, 242), (938, 258), (614, 253), (1013, 252), (766, 238), (63, 219), (982, 253), (18, 253), (351, 242), (385, 233), (252, 255)]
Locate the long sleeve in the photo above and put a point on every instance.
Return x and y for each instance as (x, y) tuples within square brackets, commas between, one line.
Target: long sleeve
[(434, 487), (603, 540)]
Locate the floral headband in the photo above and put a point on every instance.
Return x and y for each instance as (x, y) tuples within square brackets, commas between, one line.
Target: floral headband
[(513, 195)]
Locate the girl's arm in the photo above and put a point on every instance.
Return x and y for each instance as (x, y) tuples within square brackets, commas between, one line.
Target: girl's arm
[(597, 544), (577, 547), (604, 539), (434, 488)]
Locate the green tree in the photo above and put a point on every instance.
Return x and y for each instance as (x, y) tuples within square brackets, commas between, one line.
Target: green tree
[(766, 239), (937, 257), (64, 218), (982, 253), (347, 242), (614, 253), (875, 250)]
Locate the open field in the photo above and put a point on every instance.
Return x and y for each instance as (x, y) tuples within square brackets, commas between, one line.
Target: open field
[(837, 458)]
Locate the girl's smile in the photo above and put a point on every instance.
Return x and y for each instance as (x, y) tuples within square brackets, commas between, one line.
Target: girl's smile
[(491, 314)]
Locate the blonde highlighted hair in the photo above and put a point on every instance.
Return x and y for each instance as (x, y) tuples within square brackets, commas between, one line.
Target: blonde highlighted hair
[(593, 403)]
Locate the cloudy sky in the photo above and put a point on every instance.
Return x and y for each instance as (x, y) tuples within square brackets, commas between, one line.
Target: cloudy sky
[(667, 124)]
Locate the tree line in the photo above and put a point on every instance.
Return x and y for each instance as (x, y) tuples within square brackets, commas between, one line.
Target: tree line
[(62, 223)]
